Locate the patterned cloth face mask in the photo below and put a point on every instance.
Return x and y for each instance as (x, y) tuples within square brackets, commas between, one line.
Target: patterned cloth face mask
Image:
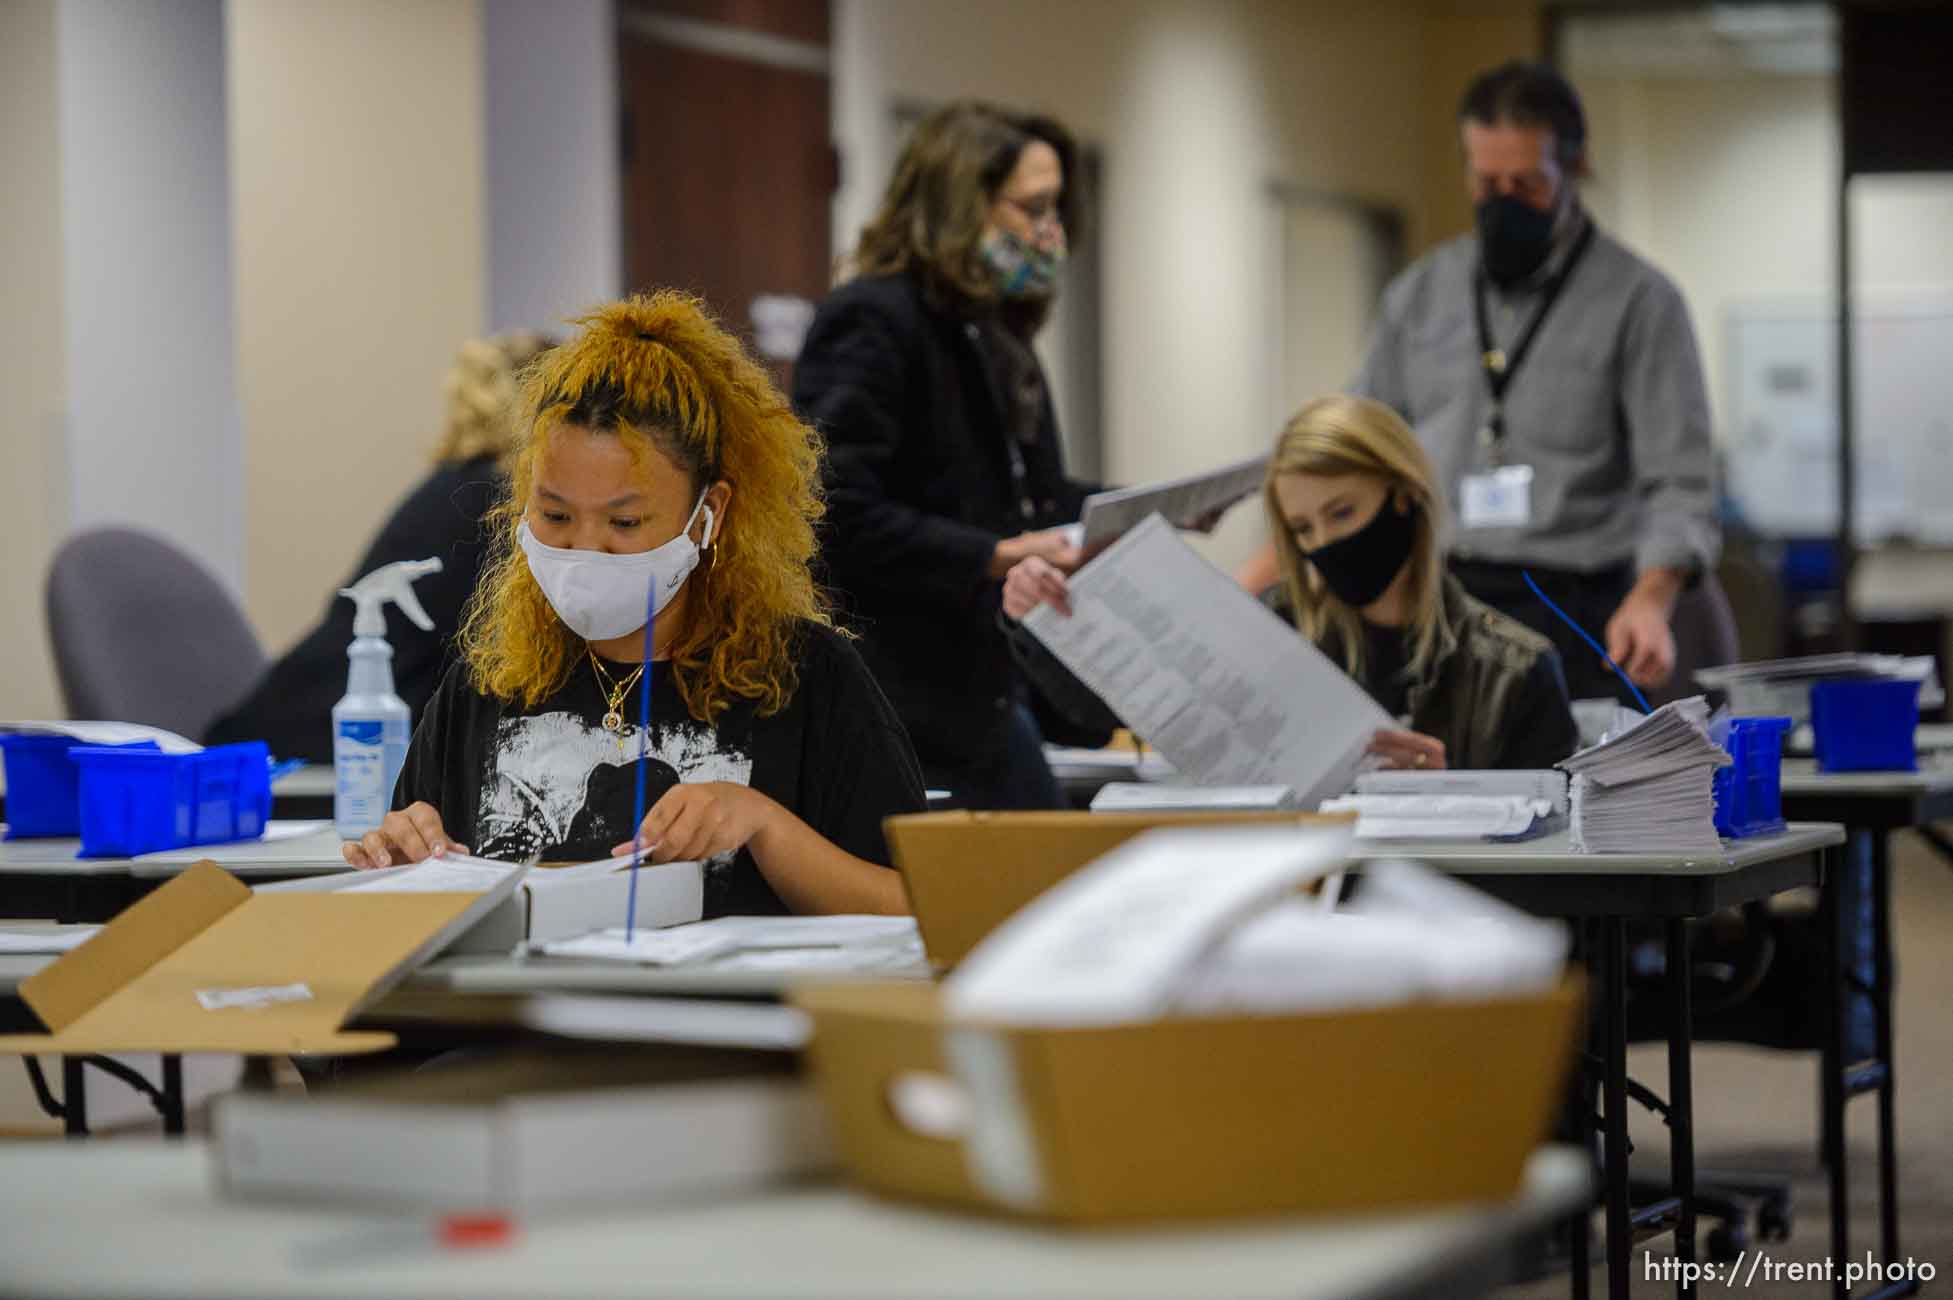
[(1019, 268)]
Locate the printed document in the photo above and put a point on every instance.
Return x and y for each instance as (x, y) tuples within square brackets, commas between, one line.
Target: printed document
[(1230, 693), (1183, 501)]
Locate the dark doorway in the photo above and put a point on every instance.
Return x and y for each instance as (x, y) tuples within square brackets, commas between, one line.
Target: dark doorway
[(729, 170)]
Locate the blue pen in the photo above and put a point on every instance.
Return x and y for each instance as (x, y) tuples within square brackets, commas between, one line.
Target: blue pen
[(1640, 699), (643, 733)]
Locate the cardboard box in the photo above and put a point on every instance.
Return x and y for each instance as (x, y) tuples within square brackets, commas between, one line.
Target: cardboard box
[(967, 872), (1387, 1108), (533, 1131), (203, 964)]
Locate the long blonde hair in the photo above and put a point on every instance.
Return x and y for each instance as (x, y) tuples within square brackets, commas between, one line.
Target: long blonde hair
[(1338, 435), (660, 372), (480, 395)]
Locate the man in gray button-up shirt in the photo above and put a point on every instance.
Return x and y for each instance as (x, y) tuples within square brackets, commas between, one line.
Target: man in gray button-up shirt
[(1607, 406)]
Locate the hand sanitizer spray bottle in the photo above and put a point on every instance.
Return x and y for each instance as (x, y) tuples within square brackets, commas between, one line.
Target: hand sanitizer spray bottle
[(371, 725)]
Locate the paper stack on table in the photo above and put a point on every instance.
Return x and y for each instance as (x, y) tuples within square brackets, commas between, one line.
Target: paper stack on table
[(1441, 816), (1651, 788), (751, 943)]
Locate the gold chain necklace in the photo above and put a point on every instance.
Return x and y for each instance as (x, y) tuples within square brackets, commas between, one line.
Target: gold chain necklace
[(614, 691)]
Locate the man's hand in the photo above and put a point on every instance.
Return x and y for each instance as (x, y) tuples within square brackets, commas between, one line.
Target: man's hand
[(1638, 635)]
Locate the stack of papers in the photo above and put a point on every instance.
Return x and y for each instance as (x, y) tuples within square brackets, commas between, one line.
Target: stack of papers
[(1651, 788), (1783, 686), (756, 943), (1149, 796), (1441, 817)]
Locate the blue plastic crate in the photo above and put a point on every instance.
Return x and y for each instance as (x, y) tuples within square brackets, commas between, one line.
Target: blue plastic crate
[(44, 785), (1749, 792), (1865, 724), (145, 802)]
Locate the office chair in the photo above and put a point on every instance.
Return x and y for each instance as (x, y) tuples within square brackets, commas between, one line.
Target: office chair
[(144, 633)]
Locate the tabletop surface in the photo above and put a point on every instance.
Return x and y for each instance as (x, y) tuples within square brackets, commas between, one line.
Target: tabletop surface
[(1553, 854), (1802, 780), (822, 1241), (285, 853), (486, 974)]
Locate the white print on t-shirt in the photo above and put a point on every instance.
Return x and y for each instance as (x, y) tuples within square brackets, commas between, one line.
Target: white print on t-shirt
[(552, 779)]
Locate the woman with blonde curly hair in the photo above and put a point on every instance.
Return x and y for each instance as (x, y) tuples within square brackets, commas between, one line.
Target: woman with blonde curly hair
[(658, 458), (290, 707)]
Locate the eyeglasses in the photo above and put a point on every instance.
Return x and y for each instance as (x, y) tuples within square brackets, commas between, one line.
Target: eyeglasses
[(1040, 213)]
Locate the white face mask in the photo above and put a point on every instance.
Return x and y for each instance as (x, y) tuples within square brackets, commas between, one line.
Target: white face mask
[(601, 595)]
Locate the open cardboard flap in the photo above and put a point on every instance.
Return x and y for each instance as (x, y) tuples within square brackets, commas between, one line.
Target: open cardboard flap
[(205, 965), (968, 872)]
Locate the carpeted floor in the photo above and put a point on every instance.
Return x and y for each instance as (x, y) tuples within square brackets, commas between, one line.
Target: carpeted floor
[(1757, 1110)]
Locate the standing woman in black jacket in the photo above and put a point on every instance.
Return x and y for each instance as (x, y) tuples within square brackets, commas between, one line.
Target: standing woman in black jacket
[(944, 467)]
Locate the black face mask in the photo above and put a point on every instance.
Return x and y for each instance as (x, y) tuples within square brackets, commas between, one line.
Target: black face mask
[(1513, 238), (1359, 567)]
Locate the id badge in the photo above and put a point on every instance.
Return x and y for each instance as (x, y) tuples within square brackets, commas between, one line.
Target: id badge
[(1497, 498)]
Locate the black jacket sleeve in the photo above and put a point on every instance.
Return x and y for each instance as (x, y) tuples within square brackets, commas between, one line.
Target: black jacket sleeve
[(1540, 729), (290, 707), (857, 381), (862, 766)]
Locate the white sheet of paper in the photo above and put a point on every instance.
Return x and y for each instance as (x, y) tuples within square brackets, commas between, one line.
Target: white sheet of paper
[(107, 733), (453, 874), (1110, 943), (1227, 691), (1498, 498), (1149, 796), (1182, 501), (51, 940), (727, 935), (277, 831)]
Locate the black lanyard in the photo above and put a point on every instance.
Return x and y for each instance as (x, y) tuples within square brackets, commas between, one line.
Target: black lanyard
[(1499, 367)]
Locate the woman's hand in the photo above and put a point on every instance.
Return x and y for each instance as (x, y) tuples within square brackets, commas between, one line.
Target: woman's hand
[(694, 822), (414, 834), (1052, 545), (1411, 749), (1035, 582)]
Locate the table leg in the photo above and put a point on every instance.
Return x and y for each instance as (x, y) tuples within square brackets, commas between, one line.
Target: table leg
[(1681, 1100), (1613, 993), (1580, 1228), (1883, 980), (74, 1097), (172, 1106), (1832, 921)]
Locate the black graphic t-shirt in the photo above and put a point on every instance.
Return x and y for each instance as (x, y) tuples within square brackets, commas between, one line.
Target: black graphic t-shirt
[(517, 783)]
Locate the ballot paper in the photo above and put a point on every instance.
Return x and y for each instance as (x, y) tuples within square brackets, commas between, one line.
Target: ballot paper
[(826, 943), (1112, 942), (452, 873), (1151, 796), (49, 939), (1650, 788), (106, 733), (1230, 693), (1441, 816), (1411, 934), (1181, 501)]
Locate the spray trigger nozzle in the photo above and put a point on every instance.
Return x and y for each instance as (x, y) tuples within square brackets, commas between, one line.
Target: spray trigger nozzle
[(394, 582)]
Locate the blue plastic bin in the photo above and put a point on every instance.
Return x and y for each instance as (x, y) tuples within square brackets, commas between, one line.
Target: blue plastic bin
[(1749, 792), (1865, 725), (44, 785), (142, 803)]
